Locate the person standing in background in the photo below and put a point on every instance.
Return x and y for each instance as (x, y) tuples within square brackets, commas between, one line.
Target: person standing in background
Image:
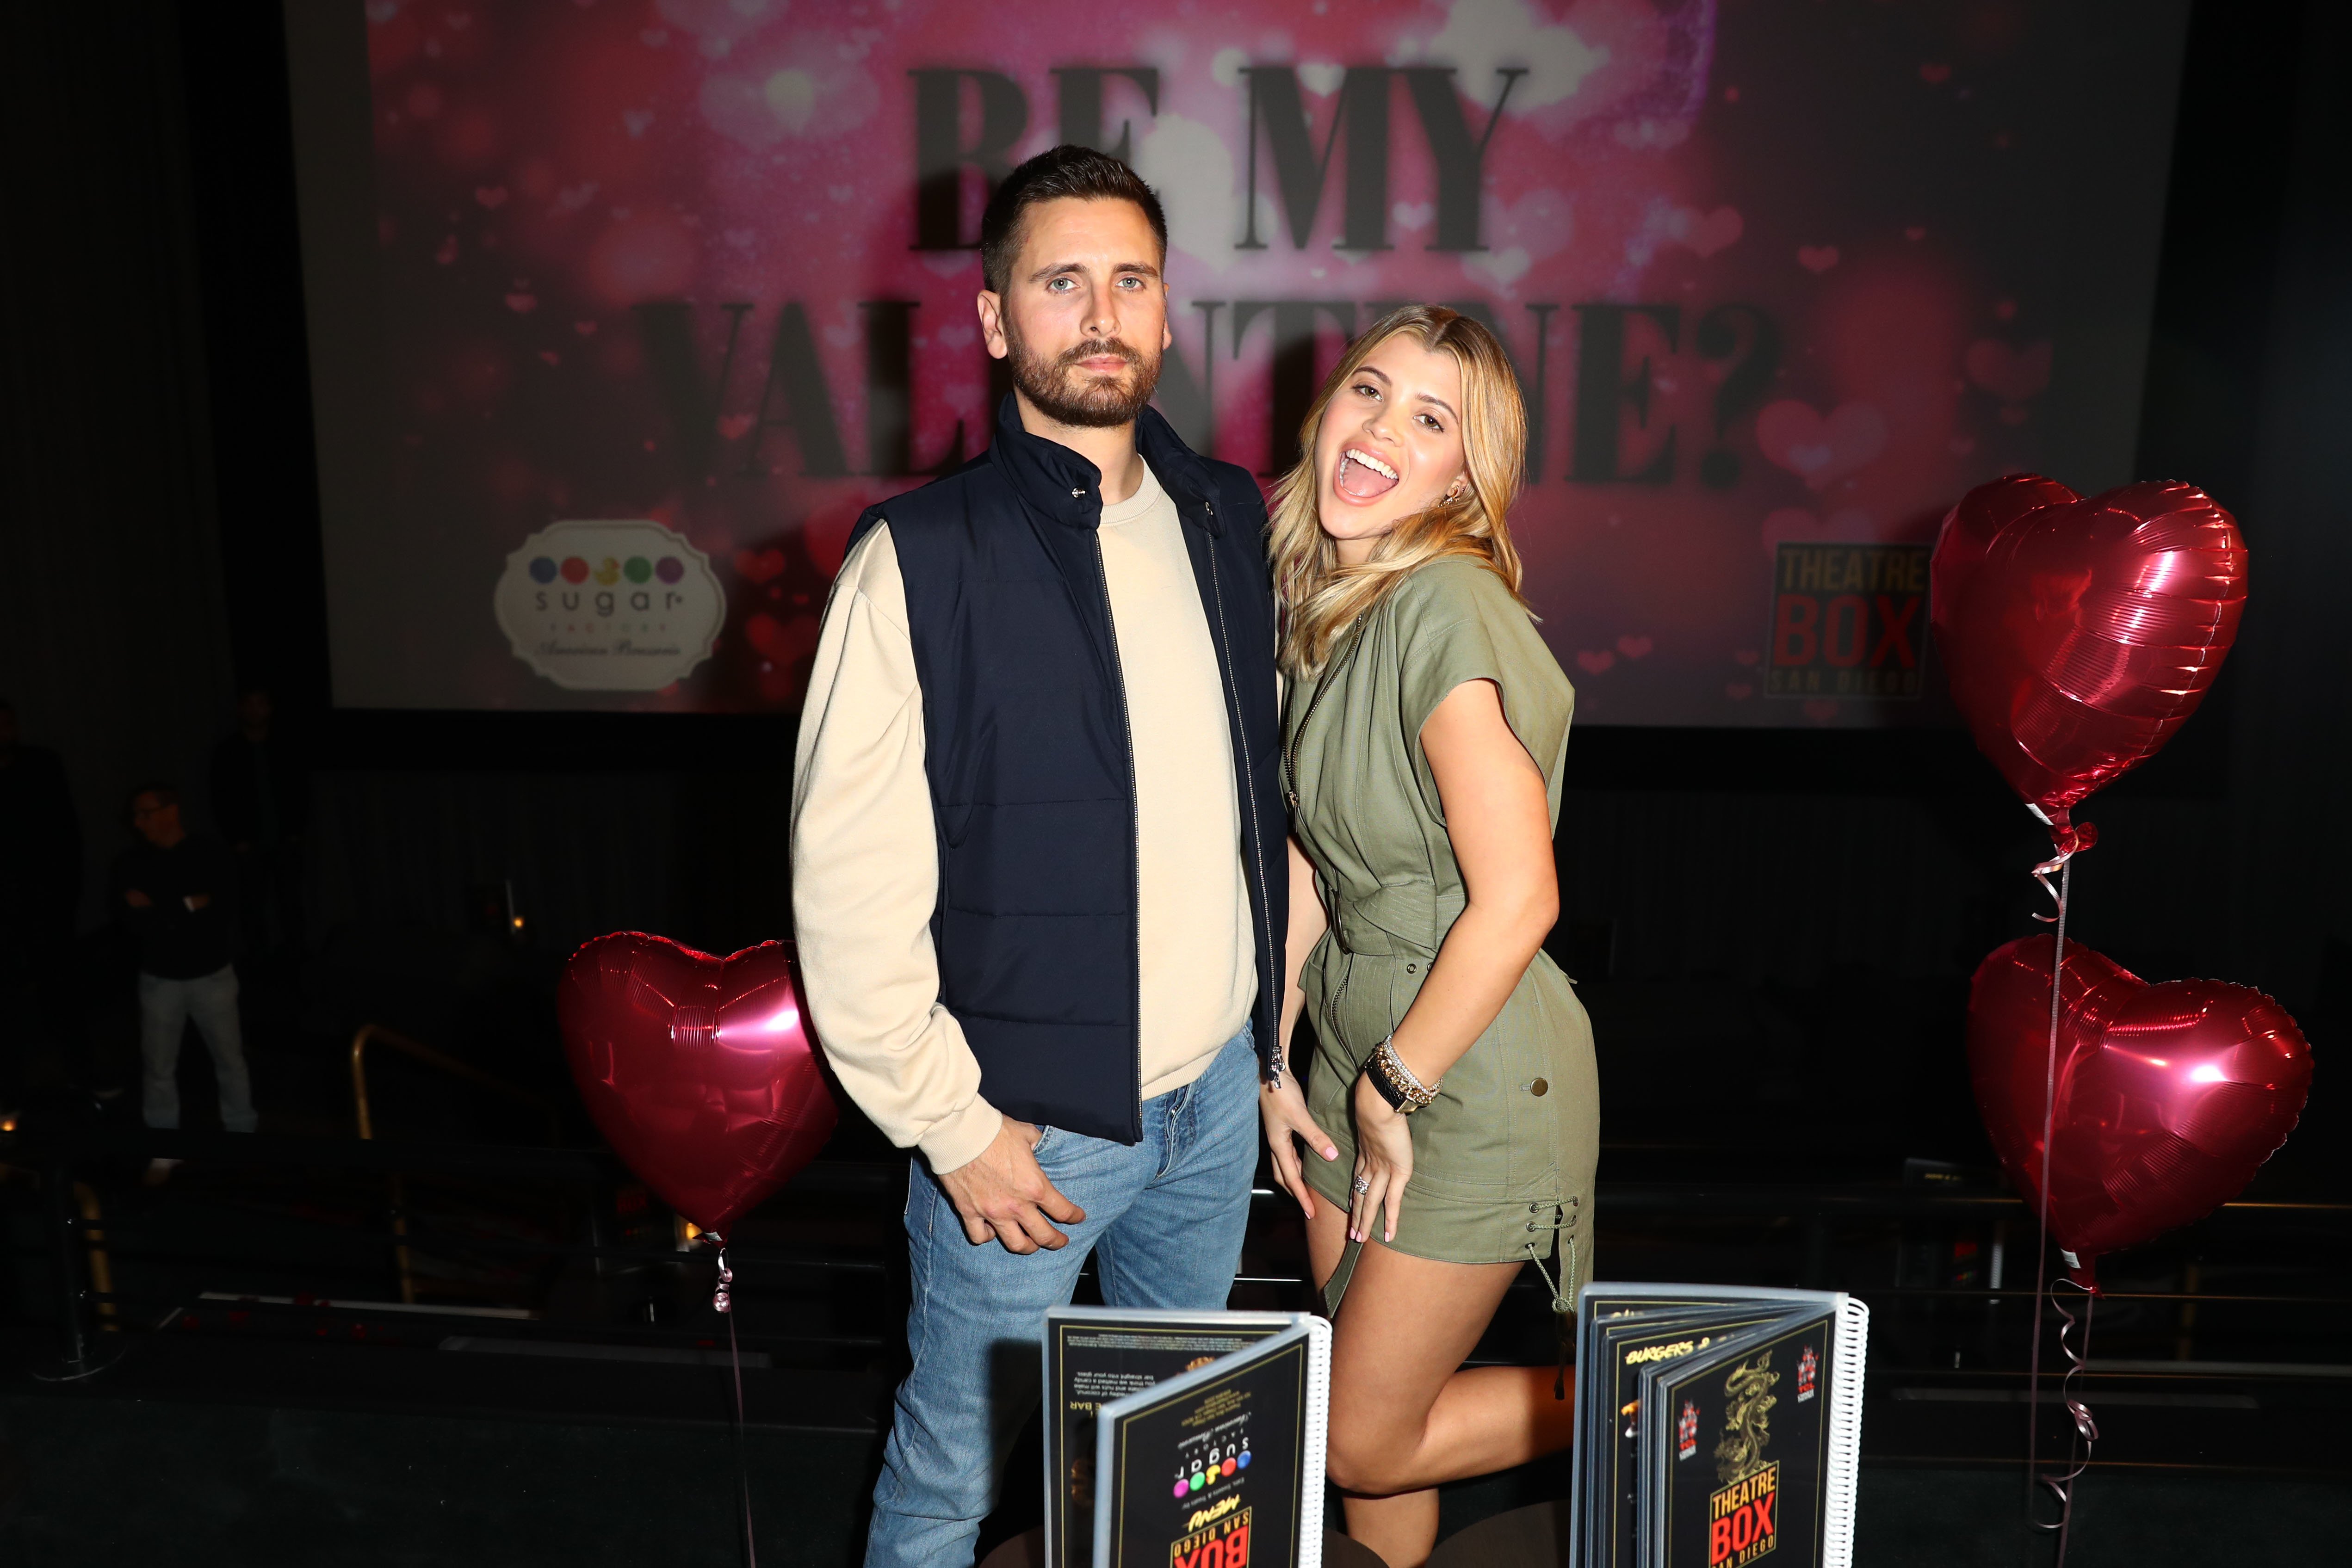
[(176, 893), (41, 886), (261, 803)]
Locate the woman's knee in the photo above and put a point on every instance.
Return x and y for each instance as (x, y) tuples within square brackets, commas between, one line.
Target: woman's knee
[(1368, 1463)]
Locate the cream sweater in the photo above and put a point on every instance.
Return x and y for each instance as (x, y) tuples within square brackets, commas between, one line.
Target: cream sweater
[(866, 863)]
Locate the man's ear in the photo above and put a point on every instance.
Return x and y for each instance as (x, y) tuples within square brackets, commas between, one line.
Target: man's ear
[(991, 324)]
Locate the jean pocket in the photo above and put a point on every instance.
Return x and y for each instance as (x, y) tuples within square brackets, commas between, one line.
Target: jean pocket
[(1038, 1149)]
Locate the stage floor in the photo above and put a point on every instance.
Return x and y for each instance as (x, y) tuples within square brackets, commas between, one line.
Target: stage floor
[(197, 1453)]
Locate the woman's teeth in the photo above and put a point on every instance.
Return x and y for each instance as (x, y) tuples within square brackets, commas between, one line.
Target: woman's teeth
[(1363, 477)]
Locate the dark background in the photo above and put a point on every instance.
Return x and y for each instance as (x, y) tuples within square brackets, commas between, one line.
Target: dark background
[(1799, 910), (1773, 931)]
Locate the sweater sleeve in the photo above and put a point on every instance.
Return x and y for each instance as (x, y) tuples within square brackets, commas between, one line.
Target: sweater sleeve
[(866, 875)]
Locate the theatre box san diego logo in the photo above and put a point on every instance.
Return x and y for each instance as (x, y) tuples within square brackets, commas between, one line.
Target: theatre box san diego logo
[(1848, 621), (618, 606), (1744, 1513)]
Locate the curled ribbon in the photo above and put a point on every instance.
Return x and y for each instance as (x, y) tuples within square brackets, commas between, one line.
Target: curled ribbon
[(2086, 1429), (2067, 839), (722, 1300)]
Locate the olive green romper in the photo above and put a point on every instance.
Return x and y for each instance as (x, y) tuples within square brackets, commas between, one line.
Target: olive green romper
[(1503, 1160)]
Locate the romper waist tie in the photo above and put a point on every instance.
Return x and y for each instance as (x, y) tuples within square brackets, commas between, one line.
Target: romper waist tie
[(1400, 920)]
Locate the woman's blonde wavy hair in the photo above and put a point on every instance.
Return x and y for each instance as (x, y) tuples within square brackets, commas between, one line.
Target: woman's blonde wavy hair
[(1320, 597)]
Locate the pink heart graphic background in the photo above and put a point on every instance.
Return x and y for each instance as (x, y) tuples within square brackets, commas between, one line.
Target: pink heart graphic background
[(1820, 451)]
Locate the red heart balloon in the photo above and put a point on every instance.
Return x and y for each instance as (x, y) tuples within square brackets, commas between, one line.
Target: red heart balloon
[(698, 1071), (2170, 1096), (2078, 635)]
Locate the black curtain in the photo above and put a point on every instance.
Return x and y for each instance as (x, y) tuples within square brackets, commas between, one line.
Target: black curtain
[(114, 645)]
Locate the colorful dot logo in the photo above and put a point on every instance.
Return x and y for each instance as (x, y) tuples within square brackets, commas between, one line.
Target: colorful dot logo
[(1228, 1467), (1242, 1461), (636, 569), (1183, 1487)]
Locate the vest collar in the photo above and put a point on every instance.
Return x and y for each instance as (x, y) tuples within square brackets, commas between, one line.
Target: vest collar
[(1068, 488)]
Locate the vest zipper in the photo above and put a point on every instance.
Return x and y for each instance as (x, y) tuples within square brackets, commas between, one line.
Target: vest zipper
[(1274, 1056), (1134, 827)]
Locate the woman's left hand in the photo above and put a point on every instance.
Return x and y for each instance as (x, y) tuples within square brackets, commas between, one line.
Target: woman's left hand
[(1383, 1164)]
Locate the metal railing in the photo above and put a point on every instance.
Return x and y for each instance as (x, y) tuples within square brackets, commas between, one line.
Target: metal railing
[(77, 1245), (1802, 1216), (404, 1260)]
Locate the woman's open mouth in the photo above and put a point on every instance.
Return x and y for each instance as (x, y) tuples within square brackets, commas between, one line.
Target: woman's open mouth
[(1362, 477)]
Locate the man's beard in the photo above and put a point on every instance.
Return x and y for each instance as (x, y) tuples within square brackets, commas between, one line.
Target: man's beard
[(1062, 392)]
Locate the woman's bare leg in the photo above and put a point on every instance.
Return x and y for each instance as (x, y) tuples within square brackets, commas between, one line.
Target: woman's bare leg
[(1405, 1414)]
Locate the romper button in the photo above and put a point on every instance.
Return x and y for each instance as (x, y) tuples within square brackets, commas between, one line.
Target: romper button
[(1539, 1089), (1412, 968)]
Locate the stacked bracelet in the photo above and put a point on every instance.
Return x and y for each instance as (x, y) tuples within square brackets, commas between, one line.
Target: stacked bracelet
[(1395, 1083)]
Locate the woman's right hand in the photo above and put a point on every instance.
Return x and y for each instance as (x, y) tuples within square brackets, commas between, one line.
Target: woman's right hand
[(1282, 1106)]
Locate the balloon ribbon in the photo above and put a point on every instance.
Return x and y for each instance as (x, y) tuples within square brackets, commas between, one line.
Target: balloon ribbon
[(2086, 1430), (2067, 839), (723, 1301)]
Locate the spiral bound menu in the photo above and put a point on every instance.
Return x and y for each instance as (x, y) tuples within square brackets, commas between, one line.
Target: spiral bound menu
[(1717, 1425), (1094, 1355), (1221, 1467)]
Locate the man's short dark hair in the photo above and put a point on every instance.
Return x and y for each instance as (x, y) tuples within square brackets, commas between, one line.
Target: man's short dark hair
[(164, 795), (1064, 171)]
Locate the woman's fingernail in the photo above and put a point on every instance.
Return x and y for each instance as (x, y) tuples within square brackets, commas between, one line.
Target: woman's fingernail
[(1331, 1154)]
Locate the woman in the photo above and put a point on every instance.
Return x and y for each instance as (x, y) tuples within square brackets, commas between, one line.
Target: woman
[(1423, 734)]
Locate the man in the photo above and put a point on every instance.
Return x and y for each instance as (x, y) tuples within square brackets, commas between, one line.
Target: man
[(1038, 851), (176, 894)]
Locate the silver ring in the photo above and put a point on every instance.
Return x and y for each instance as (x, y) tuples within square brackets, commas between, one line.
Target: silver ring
[(1362, 1183)]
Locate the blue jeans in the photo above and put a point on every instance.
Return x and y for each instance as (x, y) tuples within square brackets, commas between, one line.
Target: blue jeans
[(164, 1009), (1165, 1221)]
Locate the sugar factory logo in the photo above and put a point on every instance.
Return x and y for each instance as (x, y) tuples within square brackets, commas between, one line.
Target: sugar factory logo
[(1687, 1432), (609, 606), (1809, 1367)]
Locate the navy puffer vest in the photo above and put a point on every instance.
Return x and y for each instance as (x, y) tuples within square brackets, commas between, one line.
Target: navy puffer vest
[(1031, 768)]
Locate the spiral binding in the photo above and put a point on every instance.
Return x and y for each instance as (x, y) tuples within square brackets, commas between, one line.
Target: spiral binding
[(1847, 1364)]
